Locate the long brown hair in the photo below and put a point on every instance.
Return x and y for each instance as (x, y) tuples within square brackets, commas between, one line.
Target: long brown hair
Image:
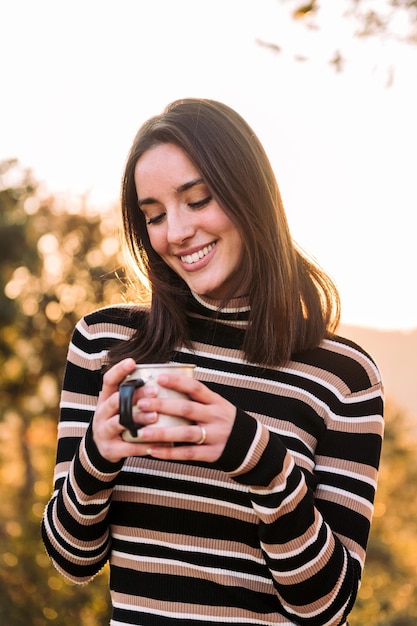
[(294, 304)]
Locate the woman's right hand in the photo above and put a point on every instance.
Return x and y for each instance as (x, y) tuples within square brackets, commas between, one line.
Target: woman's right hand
[(106, 426)]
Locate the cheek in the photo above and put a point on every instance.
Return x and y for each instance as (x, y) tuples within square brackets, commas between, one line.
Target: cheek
[(238, 253), (236, 243), (157, 240)]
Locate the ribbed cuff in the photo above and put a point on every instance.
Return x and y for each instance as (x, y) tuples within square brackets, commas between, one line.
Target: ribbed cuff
[(239, 442), (97, 472), (253, 455)]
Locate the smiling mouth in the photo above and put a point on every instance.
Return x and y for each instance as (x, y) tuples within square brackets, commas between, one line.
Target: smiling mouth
[(196, 256)]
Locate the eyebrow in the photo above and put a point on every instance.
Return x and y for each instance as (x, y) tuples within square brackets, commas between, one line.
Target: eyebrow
[(189, 185)]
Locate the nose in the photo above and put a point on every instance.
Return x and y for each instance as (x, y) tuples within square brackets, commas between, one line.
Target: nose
[(179, 227)]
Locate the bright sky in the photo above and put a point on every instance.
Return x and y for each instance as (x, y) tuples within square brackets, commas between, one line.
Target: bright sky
[(79, 77)]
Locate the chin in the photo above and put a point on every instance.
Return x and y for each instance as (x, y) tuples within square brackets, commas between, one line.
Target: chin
[(208, 293)]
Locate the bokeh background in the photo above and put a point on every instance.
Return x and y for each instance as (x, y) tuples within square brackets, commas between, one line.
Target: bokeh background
[(330, 90)]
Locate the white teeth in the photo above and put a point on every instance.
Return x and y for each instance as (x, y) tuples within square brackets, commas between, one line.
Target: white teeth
[(196, 256)]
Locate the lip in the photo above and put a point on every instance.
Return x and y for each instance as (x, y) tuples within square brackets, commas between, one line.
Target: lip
[(196, 264)]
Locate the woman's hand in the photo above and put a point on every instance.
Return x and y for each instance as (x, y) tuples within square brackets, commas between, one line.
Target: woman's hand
[(211, 421), (106, 426)]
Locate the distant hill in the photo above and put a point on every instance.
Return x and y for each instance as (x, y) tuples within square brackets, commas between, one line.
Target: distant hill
[(395, 353)]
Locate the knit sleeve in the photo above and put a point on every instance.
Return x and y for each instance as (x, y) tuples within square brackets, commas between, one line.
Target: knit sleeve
[(75, 528), (314, 527)]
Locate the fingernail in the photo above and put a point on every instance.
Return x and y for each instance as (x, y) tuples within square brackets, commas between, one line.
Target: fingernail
[(150, 390)]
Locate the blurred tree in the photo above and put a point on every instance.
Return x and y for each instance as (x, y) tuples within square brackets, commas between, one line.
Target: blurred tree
[(388, 595), (393, 20), (58, 260)]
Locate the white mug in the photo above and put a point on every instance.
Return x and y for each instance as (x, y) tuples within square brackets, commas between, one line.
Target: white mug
[(146, 374)]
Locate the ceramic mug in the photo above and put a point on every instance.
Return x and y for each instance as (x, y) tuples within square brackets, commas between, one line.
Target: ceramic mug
[(146, 374)]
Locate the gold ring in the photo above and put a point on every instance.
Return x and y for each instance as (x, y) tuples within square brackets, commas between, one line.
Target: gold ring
[(203, 436)]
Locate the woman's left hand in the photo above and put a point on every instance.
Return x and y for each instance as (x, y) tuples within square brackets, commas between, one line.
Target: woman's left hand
[(211, 420)]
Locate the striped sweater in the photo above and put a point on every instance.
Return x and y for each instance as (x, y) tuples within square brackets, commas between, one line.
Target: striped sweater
[(274, 532)]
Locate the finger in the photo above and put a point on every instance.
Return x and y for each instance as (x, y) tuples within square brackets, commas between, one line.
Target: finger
[(193, 434), (189, 386), (116, 448), (205, 452), (111, 419), (178, 407), (107, 407), (115, 375), (108, 412)]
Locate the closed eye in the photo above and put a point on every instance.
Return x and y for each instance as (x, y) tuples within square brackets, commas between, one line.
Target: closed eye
[(201, 203), (155, 220)]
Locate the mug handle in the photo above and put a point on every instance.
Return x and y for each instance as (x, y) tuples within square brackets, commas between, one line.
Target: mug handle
[(126, 391)]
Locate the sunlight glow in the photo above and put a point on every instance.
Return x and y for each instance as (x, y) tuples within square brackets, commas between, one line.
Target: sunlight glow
[(335, 112)]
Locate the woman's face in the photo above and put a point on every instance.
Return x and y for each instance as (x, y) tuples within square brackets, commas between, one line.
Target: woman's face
[(186, 226)]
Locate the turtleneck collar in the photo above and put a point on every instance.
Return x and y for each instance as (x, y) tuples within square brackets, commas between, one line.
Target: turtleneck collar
[(235, 312), (234, 305)]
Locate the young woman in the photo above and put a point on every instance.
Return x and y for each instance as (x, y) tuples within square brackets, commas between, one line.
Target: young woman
[(261, 515)]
